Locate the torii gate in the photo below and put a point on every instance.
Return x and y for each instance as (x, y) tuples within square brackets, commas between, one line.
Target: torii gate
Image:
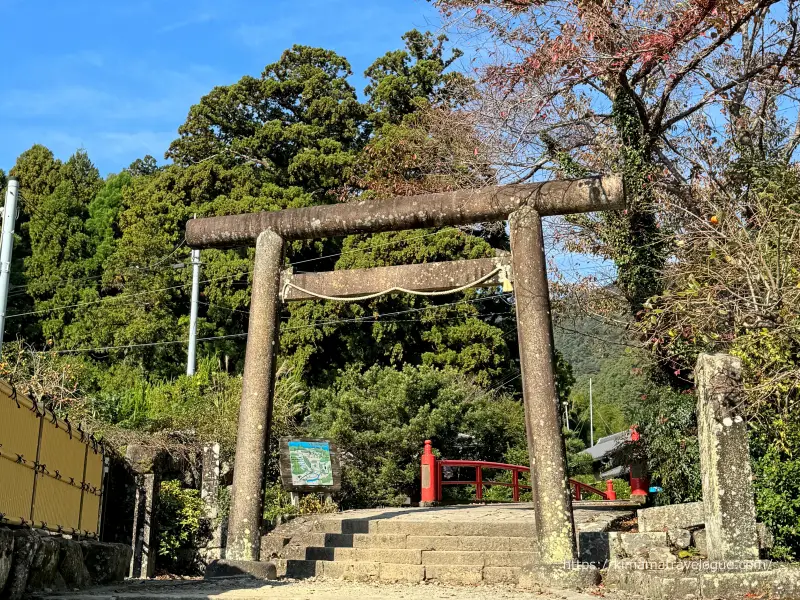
[(523, 205)]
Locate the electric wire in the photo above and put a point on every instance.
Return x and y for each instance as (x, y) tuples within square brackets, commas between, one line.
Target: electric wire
[(366, 318), (230, 276)]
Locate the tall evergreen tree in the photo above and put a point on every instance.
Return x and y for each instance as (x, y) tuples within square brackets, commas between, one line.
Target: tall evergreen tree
[(56, 270), (404, 85), (38, 172)]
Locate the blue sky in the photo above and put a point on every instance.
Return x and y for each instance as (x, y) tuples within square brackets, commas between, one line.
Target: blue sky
[(117, 77)]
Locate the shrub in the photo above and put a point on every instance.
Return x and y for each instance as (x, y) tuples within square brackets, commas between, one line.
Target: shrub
[(776, 470), (380, 419), (181, 527), (277, 503)]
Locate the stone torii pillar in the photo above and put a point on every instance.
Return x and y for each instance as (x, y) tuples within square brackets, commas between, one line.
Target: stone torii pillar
[(525, 203), (255, 410), (552, 500)]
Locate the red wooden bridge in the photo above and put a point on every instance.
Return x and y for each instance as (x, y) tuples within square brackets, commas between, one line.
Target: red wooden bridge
[(433, 481)]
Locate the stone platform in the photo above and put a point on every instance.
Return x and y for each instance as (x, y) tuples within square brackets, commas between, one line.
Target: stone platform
[(464, 544)]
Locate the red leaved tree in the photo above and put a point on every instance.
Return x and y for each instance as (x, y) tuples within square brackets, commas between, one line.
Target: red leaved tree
[(643, 87)]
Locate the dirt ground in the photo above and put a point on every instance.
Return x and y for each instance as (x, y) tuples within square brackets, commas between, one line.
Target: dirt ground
[(309, 589)]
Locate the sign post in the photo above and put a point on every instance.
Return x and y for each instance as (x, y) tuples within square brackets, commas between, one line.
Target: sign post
[(309, 466)]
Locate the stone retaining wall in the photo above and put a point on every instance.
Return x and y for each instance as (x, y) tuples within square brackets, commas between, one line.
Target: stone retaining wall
[(32, 561)]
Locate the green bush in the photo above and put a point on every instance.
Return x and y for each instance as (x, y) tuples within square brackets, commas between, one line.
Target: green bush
[(775, 446), (181, 527), (669, 446), (381, 418), (278, 503)]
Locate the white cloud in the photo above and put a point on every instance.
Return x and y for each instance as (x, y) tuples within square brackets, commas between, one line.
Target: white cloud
[(198, 19), (151, 94)]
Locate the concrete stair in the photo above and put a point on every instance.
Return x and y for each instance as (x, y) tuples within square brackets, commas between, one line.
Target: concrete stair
[(461, 553)]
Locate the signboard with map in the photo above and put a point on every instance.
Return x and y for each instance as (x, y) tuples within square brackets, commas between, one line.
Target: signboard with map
[(309, 465)]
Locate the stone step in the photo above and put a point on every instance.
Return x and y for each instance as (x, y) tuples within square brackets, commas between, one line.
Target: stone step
[(479, 558), (471, 543), (349, 570), (425, 528), (394, 572), (281, 545), (381, 555), (488, 558)]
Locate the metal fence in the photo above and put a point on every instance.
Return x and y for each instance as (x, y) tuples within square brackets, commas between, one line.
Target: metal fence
[(51, 472)]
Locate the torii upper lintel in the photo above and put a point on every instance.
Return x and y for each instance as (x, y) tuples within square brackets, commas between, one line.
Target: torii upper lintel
[(462, 207)]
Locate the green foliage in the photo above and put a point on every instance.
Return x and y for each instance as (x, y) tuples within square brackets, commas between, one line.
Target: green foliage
[(179, 515), (402, 78), (637, 245), (205, 405), (453, 336), (775, 445), (587, 342), (102, 226), (421, 141), (734, 287), (278, 504), (617, 390), (57, 266), (668, 425), (380, 418), (578, 462), (300, 121)]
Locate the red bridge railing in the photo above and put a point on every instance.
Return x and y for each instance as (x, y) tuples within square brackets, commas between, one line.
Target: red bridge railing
[(433, 481)]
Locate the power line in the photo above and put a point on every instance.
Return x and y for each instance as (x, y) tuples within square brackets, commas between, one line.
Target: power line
[(164, 258), (91, 302), (114, 298), (240, 273), (322, 323), (20, 289), (368, 318), (228, 308), (145, 345)]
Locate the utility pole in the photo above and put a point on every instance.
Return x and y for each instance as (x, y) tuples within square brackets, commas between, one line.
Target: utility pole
[(6, 246), (591, 415), (192, 354)]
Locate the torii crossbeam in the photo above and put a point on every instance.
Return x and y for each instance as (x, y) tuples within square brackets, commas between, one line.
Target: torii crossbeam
[(523, 206)]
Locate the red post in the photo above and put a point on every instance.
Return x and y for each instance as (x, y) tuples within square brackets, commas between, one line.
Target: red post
[(638, 481), (610, 493), (577, 493), (430, 491), (515, 481), (638, 473), (479, 482)]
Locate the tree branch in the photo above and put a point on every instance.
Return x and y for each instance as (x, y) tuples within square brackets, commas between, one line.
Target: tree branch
[(710, 95), (699, 58)]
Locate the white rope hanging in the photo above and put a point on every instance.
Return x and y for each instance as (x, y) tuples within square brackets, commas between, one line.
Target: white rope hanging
[(389, 291)]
